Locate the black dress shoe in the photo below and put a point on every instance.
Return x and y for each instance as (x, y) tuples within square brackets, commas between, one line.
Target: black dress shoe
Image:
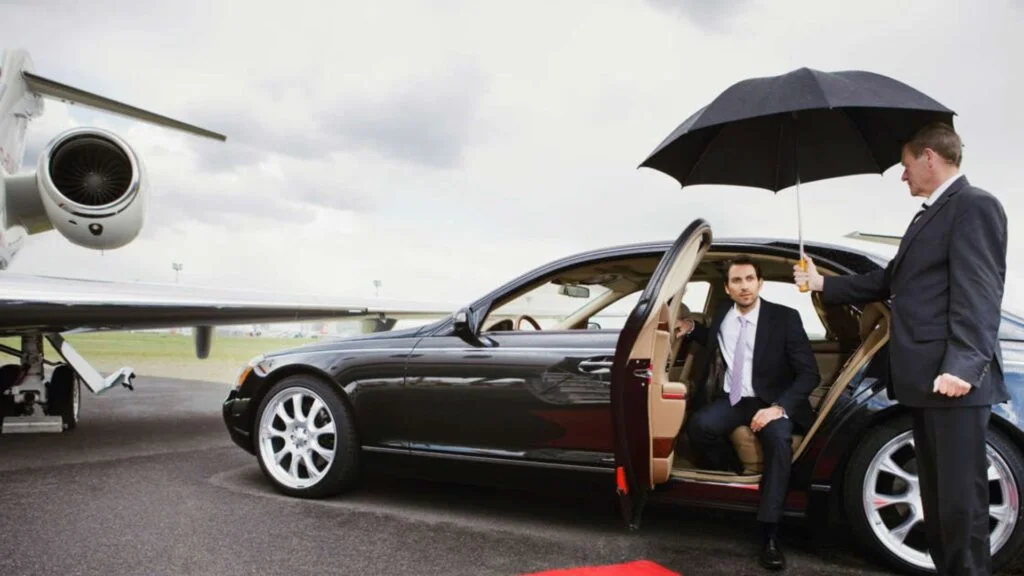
[(771, 556)]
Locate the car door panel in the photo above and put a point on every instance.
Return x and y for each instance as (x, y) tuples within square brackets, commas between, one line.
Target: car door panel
[(526, 395), (647, 408)]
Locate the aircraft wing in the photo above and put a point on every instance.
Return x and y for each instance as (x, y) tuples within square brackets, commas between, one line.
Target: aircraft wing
[(71, 95), (877, 238), (53, 304)]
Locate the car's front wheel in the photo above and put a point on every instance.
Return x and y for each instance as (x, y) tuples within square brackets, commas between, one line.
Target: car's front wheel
[(305, 438), (883, 500)]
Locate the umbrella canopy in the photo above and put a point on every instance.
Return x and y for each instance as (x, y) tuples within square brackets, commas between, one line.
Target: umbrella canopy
[(802, 126)]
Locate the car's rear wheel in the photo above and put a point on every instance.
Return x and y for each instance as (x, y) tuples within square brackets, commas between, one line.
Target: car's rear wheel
[(305, 438), (883, 500)]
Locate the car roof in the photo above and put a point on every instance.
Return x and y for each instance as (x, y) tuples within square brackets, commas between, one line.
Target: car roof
[(857, 261)]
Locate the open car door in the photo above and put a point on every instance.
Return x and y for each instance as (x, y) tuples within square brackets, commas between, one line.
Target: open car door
[(647, 409)]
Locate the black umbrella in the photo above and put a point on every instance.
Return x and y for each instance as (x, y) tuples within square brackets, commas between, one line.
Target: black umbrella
[(803, 126)]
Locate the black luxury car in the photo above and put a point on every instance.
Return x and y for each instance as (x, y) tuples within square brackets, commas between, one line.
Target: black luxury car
[(574, 366)]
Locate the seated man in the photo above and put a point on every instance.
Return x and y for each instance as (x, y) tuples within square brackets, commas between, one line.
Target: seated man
[(680, 328), (769, 372), (681, 345)]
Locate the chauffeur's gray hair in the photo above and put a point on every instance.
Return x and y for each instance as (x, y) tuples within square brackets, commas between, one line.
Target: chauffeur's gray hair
[(941, 138)]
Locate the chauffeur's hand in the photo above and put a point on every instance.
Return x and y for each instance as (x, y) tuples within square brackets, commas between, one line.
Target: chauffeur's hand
[(764, 417), (814, 280), (950, 385)]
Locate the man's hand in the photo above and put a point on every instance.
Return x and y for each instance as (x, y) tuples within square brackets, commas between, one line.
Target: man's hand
[(683, 327), (814, 280), (764, 416), (949, 385)]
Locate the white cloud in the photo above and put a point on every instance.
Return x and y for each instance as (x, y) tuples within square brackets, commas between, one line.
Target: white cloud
[(444, 148)]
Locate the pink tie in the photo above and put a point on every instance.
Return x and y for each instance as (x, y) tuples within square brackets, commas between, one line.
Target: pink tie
[(736, 380)]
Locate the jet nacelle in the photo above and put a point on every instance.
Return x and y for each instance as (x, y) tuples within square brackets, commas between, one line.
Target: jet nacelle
[(89, 185)]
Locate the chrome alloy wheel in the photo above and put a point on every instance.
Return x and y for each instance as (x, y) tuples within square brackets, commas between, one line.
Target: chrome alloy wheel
[(892, 501), (298, 437)]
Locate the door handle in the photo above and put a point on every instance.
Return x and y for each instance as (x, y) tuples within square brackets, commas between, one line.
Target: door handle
[(595, 366)]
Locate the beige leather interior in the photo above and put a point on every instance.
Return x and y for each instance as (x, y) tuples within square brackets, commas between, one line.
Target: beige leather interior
[(684, 372), (874, 330), (666, 400), (666, 403)]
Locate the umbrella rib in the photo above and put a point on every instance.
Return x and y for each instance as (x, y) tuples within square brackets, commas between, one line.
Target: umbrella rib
[(778, 160), (703, 153), (867, 144)]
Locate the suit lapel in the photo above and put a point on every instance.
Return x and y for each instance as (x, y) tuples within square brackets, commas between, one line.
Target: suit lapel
[(716, 325), (715, 371), (925, 218), (764, 320)]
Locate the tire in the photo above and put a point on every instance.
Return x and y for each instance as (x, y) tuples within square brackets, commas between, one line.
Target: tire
[(874, 529), (63, 396), (336, 440), (9, 374)]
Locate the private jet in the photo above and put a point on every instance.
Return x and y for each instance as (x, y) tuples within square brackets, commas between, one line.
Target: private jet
[(91, 187)]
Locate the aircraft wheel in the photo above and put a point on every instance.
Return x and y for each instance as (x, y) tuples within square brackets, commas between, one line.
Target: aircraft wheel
[(8, 376), (64, 394)]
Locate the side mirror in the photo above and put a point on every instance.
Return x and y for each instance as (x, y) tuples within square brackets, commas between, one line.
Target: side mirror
[(462, 329), (461, 322)]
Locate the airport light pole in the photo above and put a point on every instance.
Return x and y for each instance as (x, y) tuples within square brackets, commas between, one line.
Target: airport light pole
[(376, 287), (177, 268)]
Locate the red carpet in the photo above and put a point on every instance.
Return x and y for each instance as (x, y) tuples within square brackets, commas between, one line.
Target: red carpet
[(638, 568)]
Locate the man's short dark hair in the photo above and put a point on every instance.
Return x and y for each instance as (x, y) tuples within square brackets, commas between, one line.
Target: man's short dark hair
[(742, 260), (941, 138)]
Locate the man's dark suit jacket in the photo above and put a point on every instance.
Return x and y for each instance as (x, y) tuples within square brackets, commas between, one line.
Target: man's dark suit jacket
[(784, 370), (946, 286)]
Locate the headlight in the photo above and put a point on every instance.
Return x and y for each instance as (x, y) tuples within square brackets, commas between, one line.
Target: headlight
[(258, 364)]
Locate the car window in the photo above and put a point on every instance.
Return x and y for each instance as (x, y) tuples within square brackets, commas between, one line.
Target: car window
[(614, 317), (547, 304), (787, 294)]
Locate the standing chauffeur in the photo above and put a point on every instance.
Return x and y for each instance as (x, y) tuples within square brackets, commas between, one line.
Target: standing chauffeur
[(946, 287)]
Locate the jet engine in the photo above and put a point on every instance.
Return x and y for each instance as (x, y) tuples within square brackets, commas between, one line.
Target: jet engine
[(93, 187)]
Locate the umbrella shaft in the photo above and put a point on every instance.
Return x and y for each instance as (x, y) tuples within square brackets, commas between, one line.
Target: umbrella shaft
[(804, 287)]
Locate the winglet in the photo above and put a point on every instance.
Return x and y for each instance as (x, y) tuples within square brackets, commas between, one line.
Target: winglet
[(53, 89), (877, 238)]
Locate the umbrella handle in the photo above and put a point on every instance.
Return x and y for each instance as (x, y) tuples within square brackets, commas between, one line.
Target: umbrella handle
[(804, 287)]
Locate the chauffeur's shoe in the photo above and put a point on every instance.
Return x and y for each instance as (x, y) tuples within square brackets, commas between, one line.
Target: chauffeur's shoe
[(771, 555)]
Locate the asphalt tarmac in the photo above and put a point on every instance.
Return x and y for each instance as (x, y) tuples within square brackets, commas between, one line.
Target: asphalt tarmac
[(149, 484)]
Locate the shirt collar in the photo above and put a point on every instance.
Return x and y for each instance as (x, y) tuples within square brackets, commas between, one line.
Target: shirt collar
[(751, 316), (941, 189)]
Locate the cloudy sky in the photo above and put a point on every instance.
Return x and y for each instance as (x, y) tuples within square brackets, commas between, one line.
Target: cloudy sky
[(446, 147)]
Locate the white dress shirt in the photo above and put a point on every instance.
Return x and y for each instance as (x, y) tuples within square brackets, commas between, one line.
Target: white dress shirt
[(942, 188), (727, 335)]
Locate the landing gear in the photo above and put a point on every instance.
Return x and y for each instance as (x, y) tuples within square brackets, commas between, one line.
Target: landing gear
[(64, 393), (31, 403)]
